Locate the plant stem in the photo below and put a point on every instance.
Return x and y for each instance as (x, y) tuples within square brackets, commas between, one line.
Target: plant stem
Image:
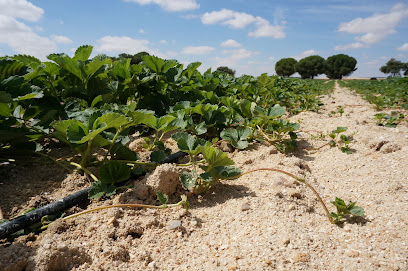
[(85, 155), (298, 179), (113, 142), (85, 170)]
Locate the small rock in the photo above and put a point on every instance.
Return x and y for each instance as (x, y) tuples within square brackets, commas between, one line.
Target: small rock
[(351, 253), (286, 241), (291, 207), (301, 257), (294, 193), (141, 190), (222, 247), (152, 265), (226, 147), (245, 207), (175, 224)]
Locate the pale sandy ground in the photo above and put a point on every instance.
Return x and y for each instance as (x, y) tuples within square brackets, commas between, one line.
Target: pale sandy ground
[(262, 221)]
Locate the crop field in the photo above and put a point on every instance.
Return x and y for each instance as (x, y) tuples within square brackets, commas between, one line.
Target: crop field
[(108, 165)]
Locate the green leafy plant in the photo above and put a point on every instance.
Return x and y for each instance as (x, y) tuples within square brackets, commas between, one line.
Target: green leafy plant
[(344, 209), (390, 120), (340, 140)]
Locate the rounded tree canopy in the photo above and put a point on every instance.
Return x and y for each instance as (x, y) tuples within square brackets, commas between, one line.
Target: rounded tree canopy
[(285, 67), (310, 66), (226, 70), (394, 67), (340, 65)]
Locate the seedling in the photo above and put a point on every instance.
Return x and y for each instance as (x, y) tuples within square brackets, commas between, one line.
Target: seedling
[(343, 142), (344, 209), (390, 120)]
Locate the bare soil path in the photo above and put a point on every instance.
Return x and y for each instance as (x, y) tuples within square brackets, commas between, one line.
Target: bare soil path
[(262, 221)]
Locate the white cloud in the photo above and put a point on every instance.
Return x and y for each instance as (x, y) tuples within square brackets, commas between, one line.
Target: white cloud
[(163, 41), (197, 50), (234, 19), (264, 29), (142, 31), (216, 16), (354, 45), (61, 39), (21, 9), (170, 5), (23, 40), (240, 20), (230, 43), (374, 28), (234, 56), (404, 47), (115, 44), (305, 54)]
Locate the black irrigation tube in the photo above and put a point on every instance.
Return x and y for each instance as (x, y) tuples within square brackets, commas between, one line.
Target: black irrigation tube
[(30, 218)]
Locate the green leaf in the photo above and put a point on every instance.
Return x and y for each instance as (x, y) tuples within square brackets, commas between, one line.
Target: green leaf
[(215, 158), (112, 120), (340, 130), (276, 111), (157, 156), (83, 53), (92, 67), (154, 63), (113, 172), (200, 128), (357, 211), (97, 190), (237, 136), (226, 172), (188, 180), (163, 198), (5, 97), (124, 153), (189, 143), (143, 117), (67, 63), (75, 132)]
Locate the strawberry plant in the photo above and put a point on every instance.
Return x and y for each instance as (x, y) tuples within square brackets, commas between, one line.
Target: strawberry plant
[(344, 209)]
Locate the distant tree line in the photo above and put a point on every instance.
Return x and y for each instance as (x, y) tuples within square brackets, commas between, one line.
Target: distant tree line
[(395, 67), (335, 67)]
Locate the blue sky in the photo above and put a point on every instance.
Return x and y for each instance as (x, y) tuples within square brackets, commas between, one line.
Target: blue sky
[(248, 36)]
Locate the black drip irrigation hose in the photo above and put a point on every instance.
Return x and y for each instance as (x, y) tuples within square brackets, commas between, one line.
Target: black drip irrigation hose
[(30, 218)]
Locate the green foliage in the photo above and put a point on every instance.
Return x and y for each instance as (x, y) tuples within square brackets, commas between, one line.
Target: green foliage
[(394, 67), (391, 93), (310, 66), (340, 140), (390, 120), (237, 137), (226, 70), (340, 65), (285, 67), (344, 209)]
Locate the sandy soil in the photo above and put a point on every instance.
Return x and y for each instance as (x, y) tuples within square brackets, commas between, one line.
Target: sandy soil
[(262, 221)]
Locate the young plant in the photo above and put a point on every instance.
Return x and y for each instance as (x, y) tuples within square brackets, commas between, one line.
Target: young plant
[(390, 120), (344, 209), (340, 140)]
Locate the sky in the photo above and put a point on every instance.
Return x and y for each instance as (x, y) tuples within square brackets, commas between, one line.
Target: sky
[(247, 36)]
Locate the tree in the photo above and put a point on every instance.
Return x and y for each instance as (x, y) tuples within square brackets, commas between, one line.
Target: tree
[(310, 66), (135, 59), (285, 67), (394, 67), (225, 69), (340, 65)]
